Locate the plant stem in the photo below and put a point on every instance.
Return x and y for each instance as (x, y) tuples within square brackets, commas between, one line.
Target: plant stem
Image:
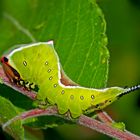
[(106, 129), (104, 117), (102, 127), (82, 120)]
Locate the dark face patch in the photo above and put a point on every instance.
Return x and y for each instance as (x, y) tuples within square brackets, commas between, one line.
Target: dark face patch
[(11, 73), (15, 77), (4, 59)]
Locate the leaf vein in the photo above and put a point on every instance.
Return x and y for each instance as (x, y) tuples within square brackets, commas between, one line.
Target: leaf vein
[(76, 36), (88, 52), (19, 26), (61, 26)]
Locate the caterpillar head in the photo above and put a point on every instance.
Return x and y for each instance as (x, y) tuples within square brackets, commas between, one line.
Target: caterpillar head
[(14, 76), (11, 73), (22, 65)]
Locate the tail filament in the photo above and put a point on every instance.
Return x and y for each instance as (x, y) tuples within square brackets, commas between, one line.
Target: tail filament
[(133, 88)]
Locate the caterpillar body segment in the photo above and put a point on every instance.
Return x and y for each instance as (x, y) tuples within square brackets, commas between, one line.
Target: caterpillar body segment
[(37, 65)]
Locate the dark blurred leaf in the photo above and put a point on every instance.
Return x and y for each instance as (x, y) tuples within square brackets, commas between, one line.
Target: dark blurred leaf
[(16, 98), (33, 134), (123, 30), (46, 122)]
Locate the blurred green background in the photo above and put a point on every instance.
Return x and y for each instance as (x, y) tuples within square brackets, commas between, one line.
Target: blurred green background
[(123, 31)]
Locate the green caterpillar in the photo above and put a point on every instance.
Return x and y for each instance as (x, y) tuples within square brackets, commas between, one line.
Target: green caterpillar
[(37, 66)]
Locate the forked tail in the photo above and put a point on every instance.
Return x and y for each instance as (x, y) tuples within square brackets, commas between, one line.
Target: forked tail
[(128, 90)]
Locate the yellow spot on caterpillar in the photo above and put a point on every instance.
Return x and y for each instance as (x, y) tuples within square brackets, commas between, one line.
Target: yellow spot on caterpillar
[(92, 97), (32, 86), (49, 70), (50, 78), (55, 85), (71, 97), (24, 63), (62, 92), (82, 97), (21, 82), (27, 85), (46, 63)]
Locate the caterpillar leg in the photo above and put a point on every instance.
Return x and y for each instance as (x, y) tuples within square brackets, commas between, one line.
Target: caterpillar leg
[(30, 114)]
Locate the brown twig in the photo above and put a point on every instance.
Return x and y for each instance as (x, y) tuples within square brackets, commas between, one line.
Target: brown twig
[(102, 127), (83, 120), (106, 129), (104, 117), (32, 113)]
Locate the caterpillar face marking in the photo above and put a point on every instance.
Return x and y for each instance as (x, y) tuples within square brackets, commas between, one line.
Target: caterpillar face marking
[(24, 67), (27, 85), (11, 73), (4, 59), (21, 82), (14, 76), (97, 106)]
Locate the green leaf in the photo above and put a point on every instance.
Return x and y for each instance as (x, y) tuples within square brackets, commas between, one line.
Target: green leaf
[(8, 111), (77, 28), (18, 100), (44, 122)]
